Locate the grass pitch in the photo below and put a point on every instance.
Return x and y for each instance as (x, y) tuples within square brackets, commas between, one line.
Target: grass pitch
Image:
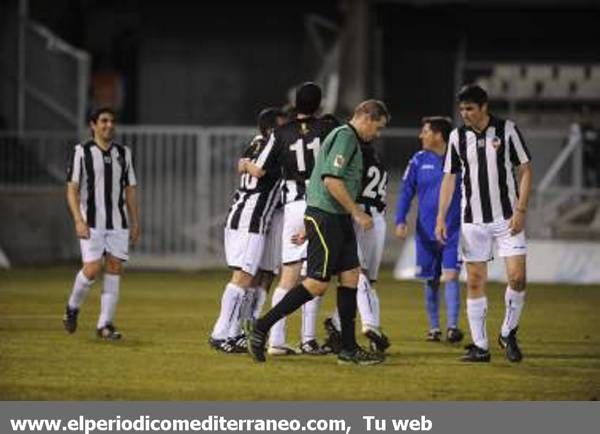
[(166, 318)]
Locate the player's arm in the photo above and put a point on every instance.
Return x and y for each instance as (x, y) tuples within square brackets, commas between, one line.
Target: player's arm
[(131, 200), (336, 166), (247, 166), (405, 197), (521, 158), (452, 166), (74, 169)]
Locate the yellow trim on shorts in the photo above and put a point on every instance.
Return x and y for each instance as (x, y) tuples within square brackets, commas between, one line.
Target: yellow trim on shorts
[(314, 222)]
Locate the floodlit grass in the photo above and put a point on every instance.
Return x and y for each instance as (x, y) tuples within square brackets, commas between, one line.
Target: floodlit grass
[(166, 318)]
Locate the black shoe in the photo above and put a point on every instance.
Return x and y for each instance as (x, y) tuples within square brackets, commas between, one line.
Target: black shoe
[(378, 341), (235, 345), (109, 333), (476, 354), (256, 340), (70, 319), (454, 335), (434, 335), (509, 343), (360, 356), (333, 343), (215, 344), (312, 348)]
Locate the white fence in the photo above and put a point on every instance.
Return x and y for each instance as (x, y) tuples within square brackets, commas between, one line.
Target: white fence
[(187, 176)]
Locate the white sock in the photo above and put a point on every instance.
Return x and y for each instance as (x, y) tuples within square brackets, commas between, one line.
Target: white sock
[(310, 312), (80, 289), (242, 310), (277, 333), (232, 298), (477, 312), (109, 299), (260, 297), (335, 319), (514, 302), (368, 302)]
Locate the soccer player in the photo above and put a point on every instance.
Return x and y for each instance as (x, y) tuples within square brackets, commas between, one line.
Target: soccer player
[(247, 222), (423, 177), (331, 209), (487, 151), (102, 198), (372, 200), (294, 147)]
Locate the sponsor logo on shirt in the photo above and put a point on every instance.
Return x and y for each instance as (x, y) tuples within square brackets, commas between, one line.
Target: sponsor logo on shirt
[(427, 167)]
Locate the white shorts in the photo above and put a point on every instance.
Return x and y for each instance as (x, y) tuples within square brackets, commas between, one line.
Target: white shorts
[(371, 244), (112, 241), (243, 250), (293, 223), (271, 257), (477, 241)]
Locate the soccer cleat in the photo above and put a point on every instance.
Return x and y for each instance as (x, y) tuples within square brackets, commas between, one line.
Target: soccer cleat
[(476, 354), (333, 343), (311, 348), (359, 356), (282, 350), (109, 333), (378, 341), (256, 340), (509, 343), (234, 345), (215, 344), (70, 319), (454, 335), (434, 335)]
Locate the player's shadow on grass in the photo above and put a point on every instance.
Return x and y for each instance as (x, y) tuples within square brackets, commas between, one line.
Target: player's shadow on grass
[(127, 342)]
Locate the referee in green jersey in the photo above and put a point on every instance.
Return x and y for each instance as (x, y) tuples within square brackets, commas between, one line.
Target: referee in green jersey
[(331, 207)]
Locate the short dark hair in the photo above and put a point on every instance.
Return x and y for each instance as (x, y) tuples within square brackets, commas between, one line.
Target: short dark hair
[(308, 98), (439, 124), (472, 93), (373, 108), (267, 119), (97, 112)]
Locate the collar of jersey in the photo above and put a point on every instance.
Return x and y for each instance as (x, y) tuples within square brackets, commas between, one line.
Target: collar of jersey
[(491, 123), (102, 150), (361, 141)]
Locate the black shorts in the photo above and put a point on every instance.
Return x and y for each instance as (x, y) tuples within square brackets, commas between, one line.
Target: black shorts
[(332, 244)]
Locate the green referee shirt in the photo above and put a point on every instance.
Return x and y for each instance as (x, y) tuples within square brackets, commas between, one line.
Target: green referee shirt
[(340, 157)]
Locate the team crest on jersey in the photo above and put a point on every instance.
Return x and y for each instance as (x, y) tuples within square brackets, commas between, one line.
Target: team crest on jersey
[(496, 142), (481, 143), (107, 159), (339, 161)]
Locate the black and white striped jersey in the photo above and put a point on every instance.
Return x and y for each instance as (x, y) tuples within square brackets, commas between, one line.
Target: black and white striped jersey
[(488, 163), (374, 180), (295, 147), (256, 198), (102, 177)]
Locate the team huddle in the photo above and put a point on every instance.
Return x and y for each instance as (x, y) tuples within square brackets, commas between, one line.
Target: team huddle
[(311, 205)]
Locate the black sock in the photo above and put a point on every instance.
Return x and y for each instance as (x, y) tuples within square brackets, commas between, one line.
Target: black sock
[(346, 303), (294, 298)]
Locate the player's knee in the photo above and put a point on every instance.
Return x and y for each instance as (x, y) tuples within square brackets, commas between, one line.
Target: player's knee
[(315, 287), (113, 265), (91, 270), (517, 281), (242, 279), (449, 276), (349, 278)]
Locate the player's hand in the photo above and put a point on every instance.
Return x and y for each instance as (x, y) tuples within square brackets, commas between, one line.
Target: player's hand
[(134, 234), (363, 219), (401, 231), (82, 229), (517, 222), (299, 238), (441, 232), (242, 164)]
